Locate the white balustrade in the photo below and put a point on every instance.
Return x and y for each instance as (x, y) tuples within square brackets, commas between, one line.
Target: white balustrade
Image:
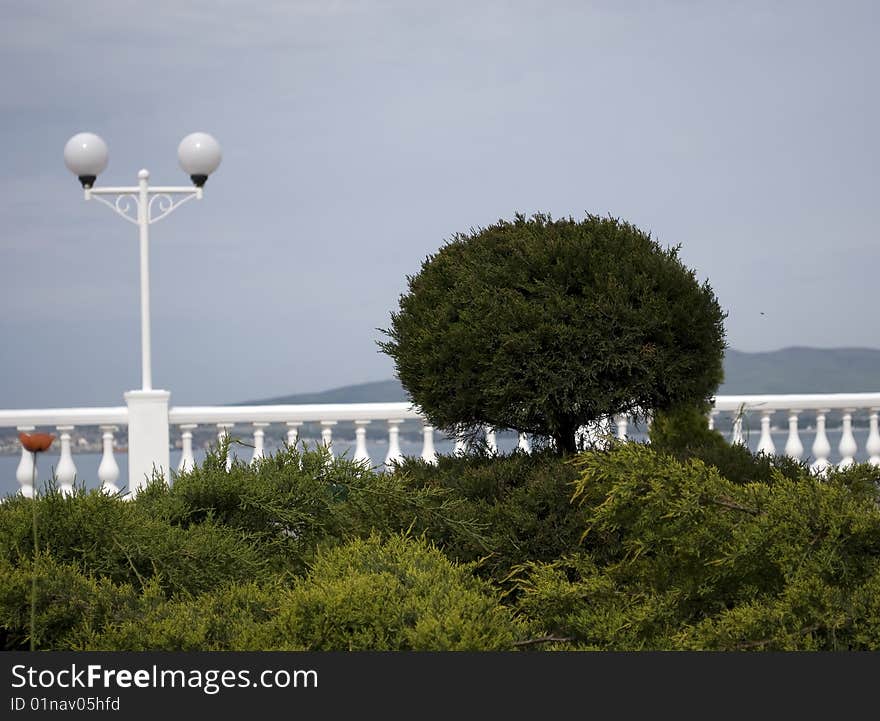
[(766, 445), (224, 433), (327, 435), (108, 470), (360, 452), (737, 437), (793, 446), (821, 446), (873, 444), (851, 406), (847, 447), (293, 432), (394, 455), (24, 474), (259, 436), (187, 460), (429, 454), (65, 471), (524, 444)]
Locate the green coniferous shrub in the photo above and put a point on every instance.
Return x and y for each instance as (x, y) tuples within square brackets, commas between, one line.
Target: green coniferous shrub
[(523, 501), (688, 559), (398, 593), (683, 432), (543, 326)]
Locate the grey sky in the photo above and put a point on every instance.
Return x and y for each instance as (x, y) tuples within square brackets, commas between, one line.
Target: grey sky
[(358, 136)]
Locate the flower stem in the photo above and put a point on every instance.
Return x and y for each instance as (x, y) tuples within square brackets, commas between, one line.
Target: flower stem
[(36, 552)]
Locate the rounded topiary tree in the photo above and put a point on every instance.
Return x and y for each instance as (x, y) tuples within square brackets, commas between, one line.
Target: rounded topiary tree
[(544, 326)]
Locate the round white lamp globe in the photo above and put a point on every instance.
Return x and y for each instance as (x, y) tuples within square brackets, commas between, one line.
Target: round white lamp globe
[(199, 155), (85, 155)]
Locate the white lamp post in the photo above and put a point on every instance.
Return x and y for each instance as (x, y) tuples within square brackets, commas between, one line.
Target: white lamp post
[(86, 156)]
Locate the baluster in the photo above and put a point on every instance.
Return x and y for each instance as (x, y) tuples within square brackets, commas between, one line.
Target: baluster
[(187, 460), (524, 444), (847, 446), (394, 453), (712, 415), (361, 454), (222, 435), (292, 432), (24, 474), (622, 427), (821, 446), (648, 418), (766, 444), (429, 455), (327, 437), (491, 442), (259, 437), (738, 431), (65, 472), (873, 445), (108, 470), (793, 446)]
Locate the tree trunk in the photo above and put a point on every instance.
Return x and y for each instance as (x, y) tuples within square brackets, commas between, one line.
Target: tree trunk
[(566, 441)]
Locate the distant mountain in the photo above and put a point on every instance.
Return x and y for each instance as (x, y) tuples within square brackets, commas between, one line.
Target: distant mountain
[(389, 391), (802, 370), (789, 370)]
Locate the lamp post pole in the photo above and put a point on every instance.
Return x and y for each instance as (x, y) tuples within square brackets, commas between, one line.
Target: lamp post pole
[(86, 156)]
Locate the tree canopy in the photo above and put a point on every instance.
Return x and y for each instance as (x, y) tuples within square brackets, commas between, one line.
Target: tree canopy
[(544, 326)]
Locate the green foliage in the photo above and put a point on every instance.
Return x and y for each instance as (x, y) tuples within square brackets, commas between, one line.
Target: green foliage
[(397, 594), (545, 325), (683, 558), (683, 432), (369, 594), (523, 500), (628, 548)]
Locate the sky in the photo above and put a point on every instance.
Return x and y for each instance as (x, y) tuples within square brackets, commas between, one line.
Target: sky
[(358, 137)]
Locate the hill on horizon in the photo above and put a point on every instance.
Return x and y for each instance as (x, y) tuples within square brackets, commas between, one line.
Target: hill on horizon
[(797, 369)]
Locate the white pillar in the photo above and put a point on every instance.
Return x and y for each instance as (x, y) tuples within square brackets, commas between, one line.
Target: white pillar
[(327, 435), (293, 432), (361, 455), (24, 474), (108, 470), (793, 446), (847, 446), (65, 472), (821, 446), (712, 415), (766, 445), (873, 445), (622, 427), (148, 437), (429, 454), (394, 453), (223, 435), (187, 460), (524, 445), (259, 437), (738, 431)]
